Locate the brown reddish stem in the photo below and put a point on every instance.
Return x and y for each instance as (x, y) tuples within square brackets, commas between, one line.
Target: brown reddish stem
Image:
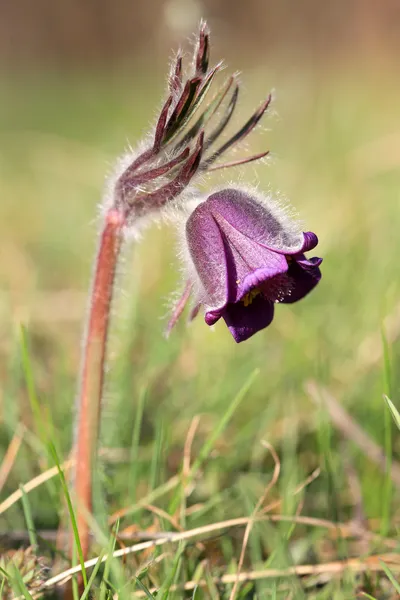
[(93, 367)]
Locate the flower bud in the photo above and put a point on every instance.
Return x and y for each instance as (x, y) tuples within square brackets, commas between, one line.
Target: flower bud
[(183, 141)]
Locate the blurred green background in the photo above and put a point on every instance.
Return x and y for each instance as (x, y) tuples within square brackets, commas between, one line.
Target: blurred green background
[(79, 81)]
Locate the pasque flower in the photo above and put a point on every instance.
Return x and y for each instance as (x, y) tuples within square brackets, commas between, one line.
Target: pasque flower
[(243, 258), (246, 254), (185, 141)]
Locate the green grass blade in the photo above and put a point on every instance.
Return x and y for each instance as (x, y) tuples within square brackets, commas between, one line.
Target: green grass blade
[(333, 475), (28, 517), (195, 592), (219, 429), (18, 585), (155, 465), (390, 576), (111, 565), (108, 563), (163, 592), (43, 426), (211, 586), (387, 364), (74, 582), (92, 576), (30, 385), (210, 442), (394, 412), (64, 486), (134, 454), (144, 589), (388, 483)]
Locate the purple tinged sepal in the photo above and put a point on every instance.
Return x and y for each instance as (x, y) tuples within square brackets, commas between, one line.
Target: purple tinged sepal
[(183, 137)]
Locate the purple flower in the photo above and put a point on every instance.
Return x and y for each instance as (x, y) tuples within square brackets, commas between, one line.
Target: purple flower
[(247, 254)]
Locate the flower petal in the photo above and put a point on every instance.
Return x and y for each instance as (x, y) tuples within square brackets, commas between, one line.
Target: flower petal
[(207, 251), (263, 223), (244, 321), (249, 263), (304, 274), (310, 241)]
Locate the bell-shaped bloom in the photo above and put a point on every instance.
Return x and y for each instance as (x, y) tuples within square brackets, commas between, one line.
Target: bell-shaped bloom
[(247, 254)]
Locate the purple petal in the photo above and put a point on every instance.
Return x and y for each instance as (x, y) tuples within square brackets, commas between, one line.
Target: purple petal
[(249, 264), (228, 262), (310, 241), (207, 250), (304, 274), (244, 321), (257, 221)]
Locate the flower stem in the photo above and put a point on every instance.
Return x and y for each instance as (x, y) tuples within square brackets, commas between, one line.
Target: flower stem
[(87, 425)]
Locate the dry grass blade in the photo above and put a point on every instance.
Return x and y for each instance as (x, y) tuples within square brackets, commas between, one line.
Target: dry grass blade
[(338, 567), (352, 430), (342, 529), (355, 565), (11, 454), (32, 484), (163, 515), (298, 489), (270, 485), (187, 484), (110, 454), (187, 450)]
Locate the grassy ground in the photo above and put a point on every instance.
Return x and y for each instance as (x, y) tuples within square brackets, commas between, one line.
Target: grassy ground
[(336, 155)]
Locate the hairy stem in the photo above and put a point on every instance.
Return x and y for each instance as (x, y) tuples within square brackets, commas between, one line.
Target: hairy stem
[(94, 348)]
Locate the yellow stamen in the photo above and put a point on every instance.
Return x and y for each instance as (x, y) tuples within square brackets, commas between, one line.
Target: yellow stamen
[(249, 297)]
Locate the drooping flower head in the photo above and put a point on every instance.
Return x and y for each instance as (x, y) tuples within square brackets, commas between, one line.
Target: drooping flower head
[(246, 255), (185, 138)]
